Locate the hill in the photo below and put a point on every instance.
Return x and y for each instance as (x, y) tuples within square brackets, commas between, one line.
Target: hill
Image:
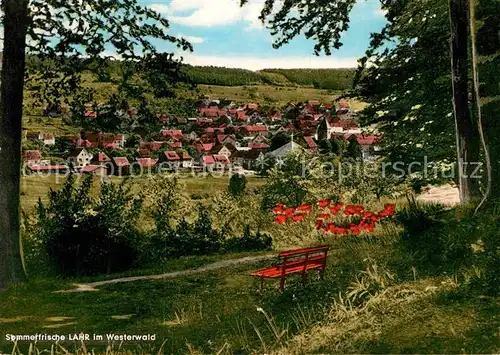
[(329, 79)]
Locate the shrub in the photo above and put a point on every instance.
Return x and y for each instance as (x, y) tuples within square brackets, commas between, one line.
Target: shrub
[(185, 239), (83, 235), (237, 185), (250, 242)]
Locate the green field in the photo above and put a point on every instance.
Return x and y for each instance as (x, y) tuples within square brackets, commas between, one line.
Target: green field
[(35, 187), (221, 312)]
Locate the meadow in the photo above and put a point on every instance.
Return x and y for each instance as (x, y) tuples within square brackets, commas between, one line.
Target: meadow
[(377, 295)]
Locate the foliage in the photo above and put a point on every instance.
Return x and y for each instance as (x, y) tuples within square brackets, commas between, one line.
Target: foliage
[(199, 238), (249, 241), (325, 22), (83, 235), (332, 79), (335, 79), (237, 185)]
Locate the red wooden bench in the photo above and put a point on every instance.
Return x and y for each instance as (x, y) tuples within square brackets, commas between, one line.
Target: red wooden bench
[(298, 261)]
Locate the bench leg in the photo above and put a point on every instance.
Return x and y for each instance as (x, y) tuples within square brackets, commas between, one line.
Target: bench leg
[(261, 284), (304, 279), (282, 284), (322, 273)]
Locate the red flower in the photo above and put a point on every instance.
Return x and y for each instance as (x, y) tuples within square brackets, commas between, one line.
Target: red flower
[(278, 209), (319, 224), (280, 219), (323, 203), (305, 207), (324, 216), (298, 217), (335, 210), (289, 211)]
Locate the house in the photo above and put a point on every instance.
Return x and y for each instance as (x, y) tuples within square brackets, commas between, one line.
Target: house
[(224, 151), (172, 158), (248, 158), (171, 133), (186, 160), (95, 170), (204, 148), (191, 136), (47, 139), (101, 158), (254, 130), (119, 141), (329, 127), (211, 112), (368, 143), (121, 166), (274, 116), (242, 116), (311, 144), (32, 157), (282, 152), (174, 143), (153, 146), (258, 146), (80, 158), (146, 164)]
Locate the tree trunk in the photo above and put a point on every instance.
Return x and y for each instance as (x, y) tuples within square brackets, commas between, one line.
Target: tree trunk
[(11, 107), (466, 132)]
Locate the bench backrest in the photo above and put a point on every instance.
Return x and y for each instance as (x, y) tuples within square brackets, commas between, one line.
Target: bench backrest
[(303, 257)]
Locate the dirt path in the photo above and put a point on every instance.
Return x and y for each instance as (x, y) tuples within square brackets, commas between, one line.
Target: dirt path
[(445, 194), (214, 266)]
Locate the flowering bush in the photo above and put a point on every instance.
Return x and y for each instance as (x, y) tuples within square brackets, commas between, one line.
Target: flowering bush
[(352, 219)]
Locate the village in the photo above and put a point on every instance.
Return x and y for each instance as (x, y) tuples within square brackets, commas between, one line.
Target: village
[(223, 138)]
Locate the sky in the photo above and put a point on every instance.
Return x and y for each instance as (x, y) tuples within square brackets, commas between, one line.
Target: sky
[(223, 34)]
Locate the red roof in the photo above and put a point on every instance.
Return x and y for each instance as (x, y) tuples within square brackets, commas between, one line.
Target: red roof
[(32, 155), (185, 156), (102, 158), (90, 168), (208, 159), (175, 145), (209, 112), (252, 107), (345, 124), (207, 147), (121, 161), (242, 116), (171, 132), (255, 128), (221, 159), (144, 153), (368, 139), (171, 155), (151, 145), (310, 142), (258, 146), (146, 162)]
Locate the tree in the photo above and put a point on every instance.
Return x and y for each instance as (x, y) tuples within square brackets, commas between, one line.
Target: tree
[(407, 96), (237, 185), (68, 37), (15, 24), (466, 132)]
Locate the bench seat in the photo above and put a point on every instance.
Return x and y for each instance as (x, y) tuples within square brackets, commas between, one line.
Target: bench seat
[(298, 261)]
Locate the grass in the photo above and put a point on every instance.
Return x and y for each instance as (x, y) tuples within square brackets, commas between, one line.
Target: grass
[(35, 187), (220, 311), (204, 311), (272, 95)]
